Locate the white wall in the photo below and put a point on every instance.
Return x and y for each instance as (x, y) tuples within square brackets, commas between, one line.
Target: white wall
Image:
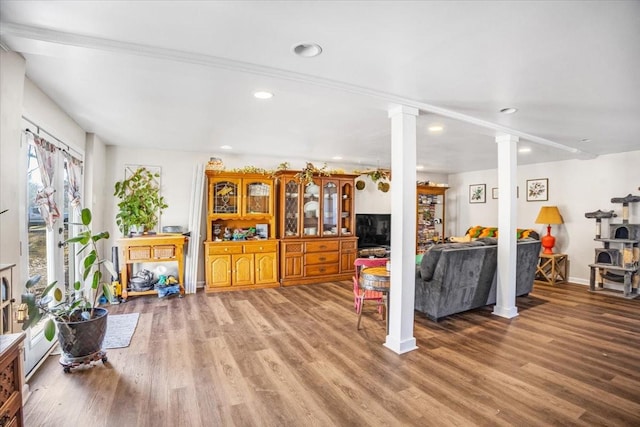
[(575, 186), (373, 201), (12, 69)]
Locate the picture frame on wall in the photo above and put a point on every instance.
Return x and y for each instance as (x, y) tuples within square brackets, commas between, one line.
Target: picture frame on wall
[(478, 193), (537, 190)]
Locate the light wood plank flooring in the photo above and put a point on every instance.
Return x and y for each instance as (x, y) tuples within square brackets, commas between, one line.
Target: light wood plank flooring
[(292, 357)]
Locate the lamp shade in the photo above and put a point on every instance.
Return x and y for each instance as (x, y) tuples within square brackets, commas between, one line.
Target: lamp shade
[(549, 215)]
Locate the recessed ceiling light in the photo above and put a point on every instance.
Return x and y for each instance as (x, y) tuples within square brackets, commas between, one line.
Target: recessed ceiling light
[(435, 128), (307, 50), (509, 110), (585, 140), (226, 147), (263, 95), (419, 167), (337, 157), (524, 150)]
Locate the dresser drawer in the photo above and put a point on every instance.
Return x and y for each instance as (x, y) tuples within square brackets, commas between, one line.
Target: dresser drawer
[(331, 245), (321, 258), (260, 247), (350, 245), (214, 249), (321, 269)]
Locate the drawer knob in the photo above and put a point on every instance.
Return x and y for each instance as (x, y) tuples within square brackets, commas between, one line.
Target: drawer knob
[(323, 259)]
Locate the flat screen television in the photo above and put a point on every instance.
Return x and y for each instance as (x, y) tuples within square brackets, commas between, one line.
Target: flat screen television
[(373, 230)]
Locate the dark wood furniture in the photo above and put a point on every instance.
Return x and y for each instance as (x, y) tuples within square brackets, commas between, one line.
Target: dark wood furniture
[(11, 411), (316, 227)]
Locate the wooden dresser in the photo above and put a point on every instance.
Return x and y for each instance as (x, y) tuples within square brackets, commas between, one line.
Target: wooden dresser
[(11, 413)]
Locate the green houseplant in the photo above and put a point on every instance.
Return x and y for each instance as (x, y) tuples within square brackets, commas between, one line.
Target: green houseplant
[(140, 202), (80, 322)]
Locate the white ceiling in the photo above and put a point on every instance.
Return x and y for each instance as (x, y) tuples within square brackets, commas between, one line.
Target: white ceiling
[(180, 75)]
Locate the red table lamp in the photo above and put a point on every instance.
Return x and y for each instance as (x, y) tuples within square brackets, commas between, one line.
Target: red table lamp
[(549, 215)]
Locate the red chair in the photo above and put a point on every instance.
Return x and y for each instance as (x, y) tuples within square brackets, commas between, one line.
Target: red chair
[(358, 298)]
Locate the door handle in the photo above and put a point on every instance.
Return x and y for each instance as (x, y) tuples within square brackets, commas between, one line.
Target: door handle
[(62, 244)]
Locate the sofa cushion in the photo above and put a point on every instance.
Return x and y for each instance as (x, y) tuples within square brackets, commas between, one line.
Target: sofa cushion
[(479, 231), (432, 256)]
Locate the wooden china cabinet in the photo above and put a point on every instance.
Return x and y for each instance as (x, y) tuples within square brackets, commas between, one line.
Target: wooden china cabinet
[(316, 227), (430, 225), (237, 202)]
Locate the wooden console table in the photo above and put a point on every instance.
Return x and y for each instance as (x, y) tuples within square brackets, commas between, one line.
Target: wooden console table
[(152, 248), (552, 269)]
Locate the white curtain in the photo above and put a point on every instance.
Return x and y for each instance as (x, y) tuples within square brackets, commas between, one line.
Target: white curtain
[(45, 201)]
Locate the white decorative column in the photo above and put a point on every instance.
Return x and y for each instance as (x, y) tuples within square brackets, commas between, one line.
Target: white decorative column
[(403, 229), (507, 224)]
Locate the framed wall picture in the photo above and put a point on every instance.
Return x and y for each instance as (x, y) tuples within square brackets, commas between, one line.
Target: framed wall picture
[(537, 190), (478, 193)]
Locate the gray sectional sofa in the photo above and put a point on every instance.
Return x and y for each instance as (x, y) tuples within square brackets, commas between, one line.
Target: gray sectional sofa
[(456, 277)]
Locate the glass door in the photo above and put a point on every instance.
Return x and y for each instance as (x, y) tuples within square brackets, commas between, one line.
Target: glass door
[(46, 254), (257, 198), (329, 208), (291, 209), (311, 210)]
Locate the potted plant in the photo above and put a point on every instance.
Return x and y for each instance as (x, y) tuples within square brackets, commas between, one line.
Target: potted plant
[(81, 324), (140, 202)]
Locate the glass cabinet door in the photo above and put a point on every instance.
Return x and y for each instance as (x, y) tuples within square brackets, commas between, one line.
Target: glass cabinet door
[(224, 197), (258, 198), (291, 209), (346, 213), (311, 210), (330, 208)]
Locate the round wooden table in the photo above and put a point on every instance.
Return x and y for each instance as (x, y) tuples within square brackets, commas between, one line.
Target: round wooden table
[(375, 279)]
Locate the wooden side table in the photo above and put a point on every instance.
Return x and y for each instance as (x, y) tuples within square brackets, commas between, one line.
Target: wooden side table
[(552, 269), (153, 248)]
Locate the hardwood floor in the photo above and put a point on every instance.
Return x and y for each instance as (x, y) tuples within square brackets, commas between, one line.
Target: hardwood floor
[(292, 356)]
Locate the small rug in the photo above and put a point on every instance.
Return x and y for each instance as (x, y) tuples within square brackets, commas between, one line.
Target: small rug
[(120, 329)]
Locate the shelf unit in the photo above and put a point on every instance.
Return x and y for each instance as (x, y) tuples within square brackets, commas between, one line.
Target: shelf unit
[(430, 226), (239, 201), (6, 298), (316, 227), (162, 247)]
